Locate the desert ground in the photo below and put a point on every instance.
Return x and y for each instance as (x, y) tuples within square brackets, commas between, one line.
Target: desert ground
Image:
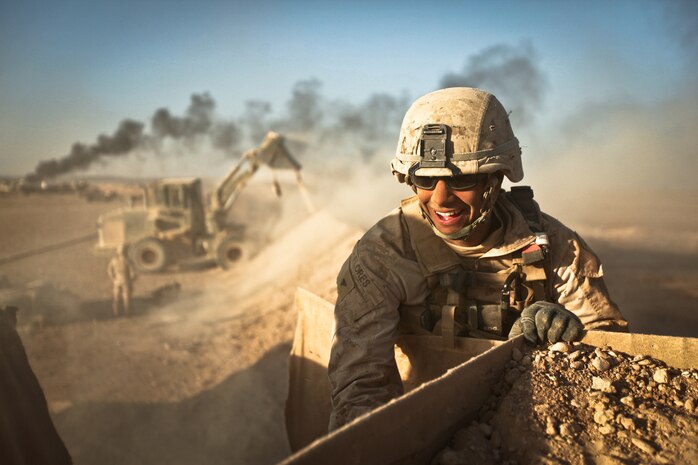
[(199, 375)]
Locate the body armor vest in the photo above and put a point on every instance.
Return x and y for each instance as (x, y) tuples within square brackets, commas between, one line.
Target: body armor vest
[(476, 297)]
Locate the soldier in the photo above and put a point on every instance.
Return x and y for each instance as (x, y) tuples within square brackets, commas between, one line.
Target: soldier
[(122, 274), (460, 258)]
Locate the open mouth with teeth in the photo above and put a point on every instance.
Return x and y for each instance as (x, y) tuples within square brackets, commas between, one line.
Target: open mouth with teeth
[(448, 217)]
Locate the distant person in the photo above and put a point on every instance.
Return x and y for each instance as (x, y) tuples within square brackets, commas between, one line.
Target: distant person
[(462, 257), (122, 274)]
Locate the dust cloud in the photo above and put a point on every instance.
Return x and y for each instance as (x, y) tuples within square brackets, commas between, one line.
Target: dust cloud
[(622, 170), (633, 170)]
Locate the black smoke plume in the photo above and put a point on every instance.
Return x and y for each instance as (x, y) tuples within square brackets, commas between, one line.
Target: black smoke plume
[(682, 22), (255, 118), (372, 125), (126, 138), (511, 73), (199, 122), (304, 109), (198, 119)]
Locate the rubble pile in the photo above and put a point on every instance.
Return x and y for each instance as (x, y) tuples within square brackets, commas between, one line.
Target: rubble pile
[(580, 404)]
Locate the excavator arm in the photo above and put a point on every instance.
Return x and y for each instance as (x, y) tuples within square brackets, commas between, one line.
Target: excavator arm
[(272, 152)]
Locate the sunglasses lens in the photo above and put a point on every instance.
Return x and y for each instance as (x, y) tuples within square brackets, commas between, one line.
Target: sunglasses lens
[(456, 183), (462, 182), (424, 182)]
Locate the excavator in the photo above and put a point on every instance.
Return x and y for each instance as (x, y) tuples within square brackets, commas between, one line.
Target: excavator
[(175, 224)]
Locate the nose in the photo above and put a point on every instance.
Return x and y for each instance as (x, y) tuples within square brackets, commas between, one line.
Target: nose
[(441, 192)]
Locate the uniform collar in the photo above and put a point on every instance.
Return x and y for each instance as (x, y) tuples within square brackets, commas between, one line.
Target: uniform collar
[(435, 256), (517, 233)]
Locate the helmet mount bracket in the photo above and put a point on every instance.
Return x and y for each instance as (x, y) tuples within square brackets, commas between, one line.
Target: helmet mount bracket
[(433, 144)]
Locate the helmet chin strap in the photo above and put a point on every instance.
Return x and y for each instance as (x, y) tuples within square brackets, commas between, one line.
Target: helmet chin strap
[(461, 234), (489, 196)]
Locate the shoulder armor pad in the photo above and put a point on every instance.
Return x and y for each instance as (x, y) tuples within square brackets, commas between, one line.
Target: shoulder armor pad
[(522, 198)]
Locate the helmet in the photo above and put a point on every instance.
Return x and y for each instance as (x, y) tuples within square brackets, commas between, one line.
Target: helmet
[(459, 130)]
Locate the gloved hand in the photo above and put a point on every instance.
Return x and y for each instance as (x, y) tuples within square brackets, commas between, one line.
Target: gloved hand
[(543, 322)]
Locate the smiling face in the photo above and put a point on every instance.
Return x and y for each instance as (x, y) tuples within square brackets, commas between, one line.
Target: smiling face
[(452, 210)]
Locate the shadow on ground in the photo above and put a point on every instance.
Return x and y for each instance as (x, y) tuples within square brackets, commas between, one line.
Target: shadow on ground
[(238, 421), (100, 309)]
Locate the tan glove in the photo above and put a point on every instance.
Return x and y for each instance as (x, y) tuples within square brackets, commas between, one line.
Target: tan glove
[(543, 322)]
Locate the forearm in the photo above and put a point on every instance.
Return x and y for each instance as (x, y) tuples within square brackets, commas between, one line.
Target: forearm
[(362, 369)]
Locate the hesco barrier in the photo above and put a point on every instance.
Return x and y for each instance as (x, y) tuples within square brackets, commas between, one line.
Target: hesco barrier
[(444, 390)]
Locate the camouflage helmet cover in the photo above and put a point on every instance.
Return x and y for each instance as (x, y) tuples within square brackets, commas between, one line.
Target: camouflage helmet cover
[(478, 136)]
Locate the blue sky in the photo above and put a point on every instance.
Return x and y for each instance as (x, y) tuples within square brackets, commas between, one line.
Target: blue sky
[(72, 70)]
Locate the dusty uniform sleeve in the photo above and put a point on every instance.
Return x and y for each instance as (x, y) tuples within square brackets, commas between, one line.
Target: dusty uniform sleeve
[(362, 369), (579, 286)]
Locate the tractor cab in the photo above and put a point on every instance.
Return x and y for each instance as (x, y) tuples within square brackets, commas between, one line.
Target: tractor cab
[(178, 204)]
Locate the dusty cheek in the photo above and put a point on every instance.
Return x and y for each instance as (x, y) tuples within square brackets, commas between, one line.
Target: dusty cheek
[(423, 196)]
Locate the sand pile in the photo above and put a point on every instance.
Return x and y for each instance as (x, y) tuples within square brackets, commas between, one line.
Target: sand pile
[(307, 255), (578, 404)]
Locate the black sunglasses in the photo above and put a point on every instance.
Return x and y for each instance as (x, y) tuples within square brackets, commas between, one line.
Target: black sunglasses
[(462, 182)]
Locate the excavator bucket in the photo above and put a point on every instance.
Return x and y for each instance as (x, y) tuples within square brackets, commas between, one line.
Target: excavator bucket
[(273, 152)]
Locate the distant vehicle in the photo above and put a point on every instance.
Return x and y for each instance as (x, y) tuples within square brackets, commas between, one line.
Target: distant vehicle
[(175, 224), (27, 186)]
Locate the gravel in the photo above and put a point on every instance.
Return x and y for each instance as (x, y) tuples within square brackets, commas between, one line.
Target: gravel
[(579, 404)]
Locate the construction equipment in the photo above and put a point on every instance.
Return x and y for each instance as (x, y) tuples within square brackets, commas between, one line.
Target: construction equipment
[(175, 224)]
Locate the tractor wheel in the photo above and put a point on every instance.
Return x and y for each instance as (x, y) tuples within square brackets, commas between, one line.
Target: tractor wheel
[(148, 255), (229, 252)]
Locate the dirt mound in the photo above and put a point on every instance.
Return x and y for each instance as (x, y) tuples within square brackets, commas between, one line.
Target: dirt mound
[(577, 404)]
